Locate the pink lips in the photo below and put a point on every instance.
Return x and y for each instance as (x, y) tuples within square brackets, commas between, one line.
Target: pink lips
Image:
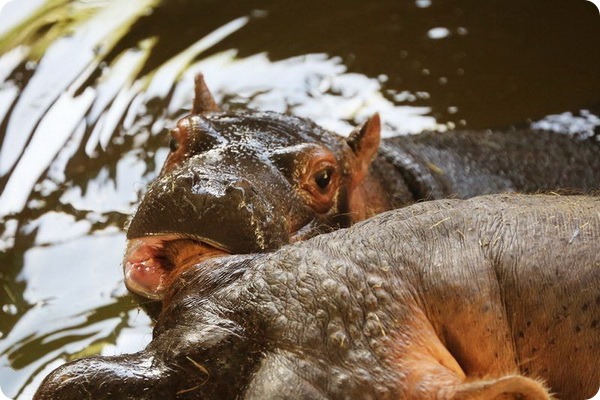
[(151, 263), (145, 271)]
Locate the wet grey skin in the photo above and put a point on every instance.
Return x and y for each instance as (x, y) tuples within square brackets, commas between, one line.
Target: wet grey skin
[(449, 299), (254, 181)]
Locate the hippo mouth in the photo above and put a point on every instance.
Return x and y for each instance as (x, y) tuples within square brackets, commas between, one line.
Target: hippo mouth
[(151, 263)]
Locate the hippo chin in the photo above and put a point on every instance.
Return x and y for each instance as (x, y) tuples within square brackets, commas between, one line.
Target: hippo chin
[(252, 182), (495, 297)]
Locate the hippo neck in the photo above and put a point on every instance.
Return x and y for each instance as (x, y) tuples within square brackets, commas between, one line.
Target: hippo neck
[(404, 178)]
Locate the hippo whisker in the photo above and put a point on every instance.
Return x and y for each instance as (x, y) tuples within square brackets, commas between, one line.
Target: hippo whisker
[(200, 367)]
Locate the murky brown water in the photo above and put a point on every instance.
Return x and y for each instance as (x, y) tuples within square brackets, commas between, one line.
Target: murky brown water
[(87, 88)]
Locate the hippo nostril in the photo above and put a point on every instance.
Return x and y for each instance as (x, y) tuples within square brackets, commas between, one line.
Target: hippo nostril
[(210, 184)]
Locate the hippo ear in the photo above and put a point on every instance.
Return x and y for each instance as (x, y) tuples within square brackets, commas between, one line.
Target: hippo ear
[(203, 100), (508, 387), (364, 141)]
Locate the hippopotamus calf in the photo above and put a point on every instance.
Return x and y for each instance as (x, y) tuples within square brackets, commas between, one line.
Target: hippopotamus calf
[(495, 297), (252, 182)]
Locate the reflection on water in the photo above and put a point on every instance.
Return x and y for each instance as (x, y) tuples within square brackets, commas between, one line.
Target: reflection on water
[(88, 87), (71, 308)]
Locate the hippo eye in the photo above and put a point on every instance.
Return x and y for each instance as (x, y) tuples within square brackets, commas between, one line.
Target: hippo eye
[(173, 144), (323, 178), (320, 180)]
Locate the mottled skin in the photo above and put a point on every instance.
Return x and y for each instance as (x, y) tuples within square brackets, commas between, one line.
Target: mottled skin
[(452, 299), (252, 182)]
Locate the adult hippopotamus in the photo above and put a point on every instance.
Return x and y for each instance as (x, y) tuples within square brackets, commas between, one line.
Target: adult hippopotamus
[(495, 297), (254, 181)]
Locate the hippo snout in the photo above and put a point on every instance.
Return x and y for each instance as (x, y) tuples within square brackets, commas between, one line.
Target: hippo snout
[(225, 211), (121, 377)]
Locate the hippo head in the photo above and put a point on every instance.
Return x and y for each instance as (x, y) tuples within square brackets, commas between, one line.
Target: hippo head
[(243, 183)]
